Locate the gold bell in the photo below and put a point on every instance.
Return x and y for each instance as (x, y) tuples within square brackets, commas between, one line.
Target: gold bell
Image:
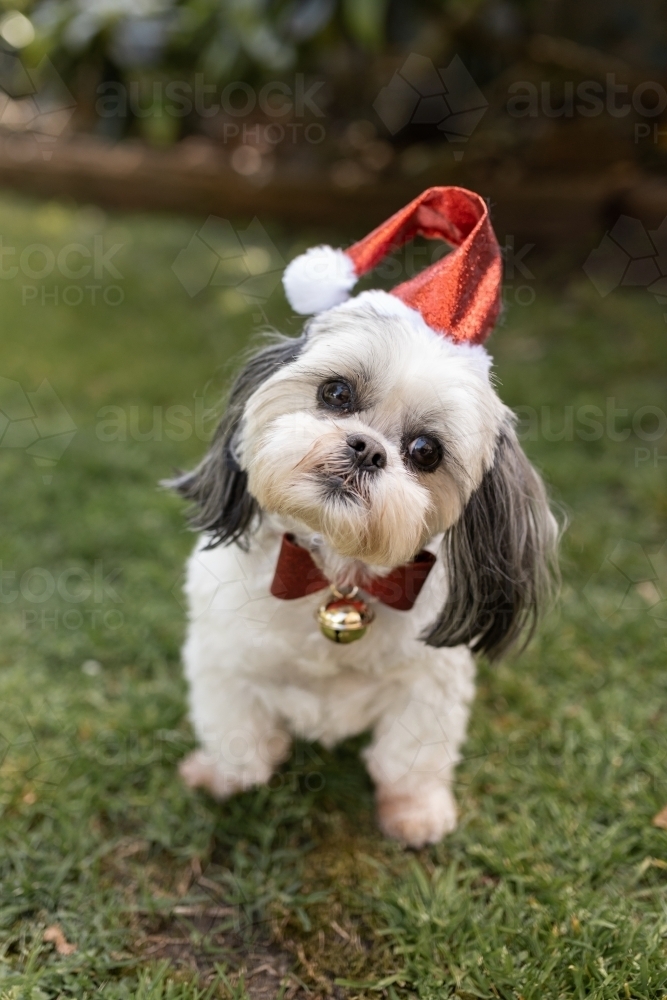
[(344, 617)]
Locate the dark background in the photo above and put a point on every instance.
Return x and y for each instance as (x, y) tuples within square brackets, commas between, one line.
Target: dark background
[(556, 111)]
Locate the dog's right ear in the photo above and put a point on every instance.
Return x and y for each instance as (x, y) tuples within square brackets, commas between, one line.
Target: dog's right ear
[(500, 558), (218, 488)]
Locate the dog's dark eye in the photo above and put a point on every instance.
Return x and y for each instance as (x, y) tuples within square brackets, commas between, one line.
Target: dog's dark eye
[(425, 453), (338, 394)]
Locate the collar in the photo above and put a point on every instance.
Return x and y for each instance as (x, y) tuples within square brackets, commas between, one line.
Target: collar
[(297, 576)]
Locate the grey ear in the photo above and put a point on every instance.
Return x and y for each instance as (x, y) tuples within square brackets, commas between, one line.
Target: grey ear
[(498, 558), (218, 487)]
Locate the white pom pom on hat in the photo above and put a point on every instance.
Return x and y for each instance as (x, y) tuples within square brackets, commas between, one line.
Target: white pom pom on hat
[(319, 279), (458, 296)]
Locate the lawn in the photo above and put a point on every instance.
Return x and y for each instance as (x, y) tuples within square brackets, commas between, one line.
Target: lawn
[(553, 885)]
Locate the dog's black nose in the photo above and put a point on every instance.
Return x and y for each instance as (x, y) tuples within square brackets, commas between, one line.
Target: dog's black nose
[(365, 452)]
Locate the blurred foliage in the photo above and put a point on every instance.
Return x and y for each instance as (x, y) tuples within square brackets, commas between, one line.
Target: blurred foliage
[(351, 48), (133, 66), (243, 39), (226, 38), (223, 37)]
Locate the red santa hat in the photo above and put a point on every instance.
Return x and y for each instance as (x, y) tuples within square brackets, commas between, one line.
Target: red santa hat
[(458, 296)]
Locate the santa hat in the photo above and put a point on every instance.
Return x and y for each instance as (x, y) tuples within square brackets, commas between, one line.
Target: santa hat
[(457, 296)]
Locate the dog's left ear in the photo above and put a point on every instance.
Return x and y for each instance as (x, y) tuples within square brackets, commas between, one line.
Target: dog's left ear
[(222, 507), (499, 558)]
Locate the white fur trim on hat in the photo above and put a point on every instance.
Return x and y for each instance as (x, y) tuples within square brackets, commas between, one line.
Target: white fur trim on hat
[(389, 305), (318, 279)]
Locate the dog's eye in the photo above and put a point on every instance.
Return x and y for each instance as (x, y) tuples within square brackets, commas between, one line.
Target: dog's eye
[(425, 453), (337, 393)]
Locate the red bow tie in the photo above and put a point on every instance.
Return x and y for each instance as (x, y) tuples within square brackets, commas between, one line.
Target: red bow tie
[(297, 576)]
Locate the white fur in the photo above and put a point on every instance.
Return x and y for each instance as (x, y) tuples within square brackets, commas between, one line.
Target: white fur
[(259, 669), (385, 304), (318, 279)]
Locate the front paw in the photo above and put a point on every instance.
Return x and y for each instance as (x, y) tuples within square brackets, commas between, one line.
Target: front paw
[(418, 817), (201, 770)]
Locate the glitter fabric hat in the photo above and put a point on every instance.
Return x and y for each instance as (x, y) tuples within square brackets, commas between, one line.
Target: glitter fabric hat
[(458, 296)]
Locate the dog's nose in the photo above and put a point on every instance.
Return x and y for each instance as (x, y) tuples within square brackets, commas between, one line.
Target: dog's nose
[(365, 452)]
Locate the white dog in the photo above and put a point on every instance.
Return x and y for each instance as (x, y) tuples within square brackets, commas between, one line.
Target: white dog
[(373, 436)]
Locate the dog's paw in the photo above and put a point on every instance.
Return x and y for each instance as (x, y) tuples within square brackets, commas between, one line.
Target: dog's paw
[(416, 818), (199, 770)]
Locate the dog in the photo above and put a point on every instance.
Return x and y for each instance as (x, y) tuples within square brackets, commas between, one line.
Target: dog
[(372, 453)]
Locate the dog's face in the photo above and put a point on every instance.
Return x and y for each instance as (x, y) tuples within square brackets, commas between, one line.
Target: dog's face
[(377, 434)]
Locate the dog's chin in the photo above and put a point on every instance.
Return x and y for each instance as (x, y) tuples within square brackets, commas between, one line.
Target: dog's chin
[(373, 526)]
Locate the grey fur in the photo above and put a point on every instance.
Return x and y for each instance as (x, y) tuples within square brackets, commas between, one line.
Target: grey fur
[(222, 506), (499, 558)]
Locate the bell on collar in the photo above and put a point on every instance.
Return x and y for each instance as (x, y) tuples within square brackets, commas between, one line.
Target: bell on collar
[(344, 617)]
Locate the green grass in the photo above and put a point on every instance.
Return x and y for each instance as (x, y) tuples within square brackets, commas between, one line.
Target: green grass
[(554, 883)]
